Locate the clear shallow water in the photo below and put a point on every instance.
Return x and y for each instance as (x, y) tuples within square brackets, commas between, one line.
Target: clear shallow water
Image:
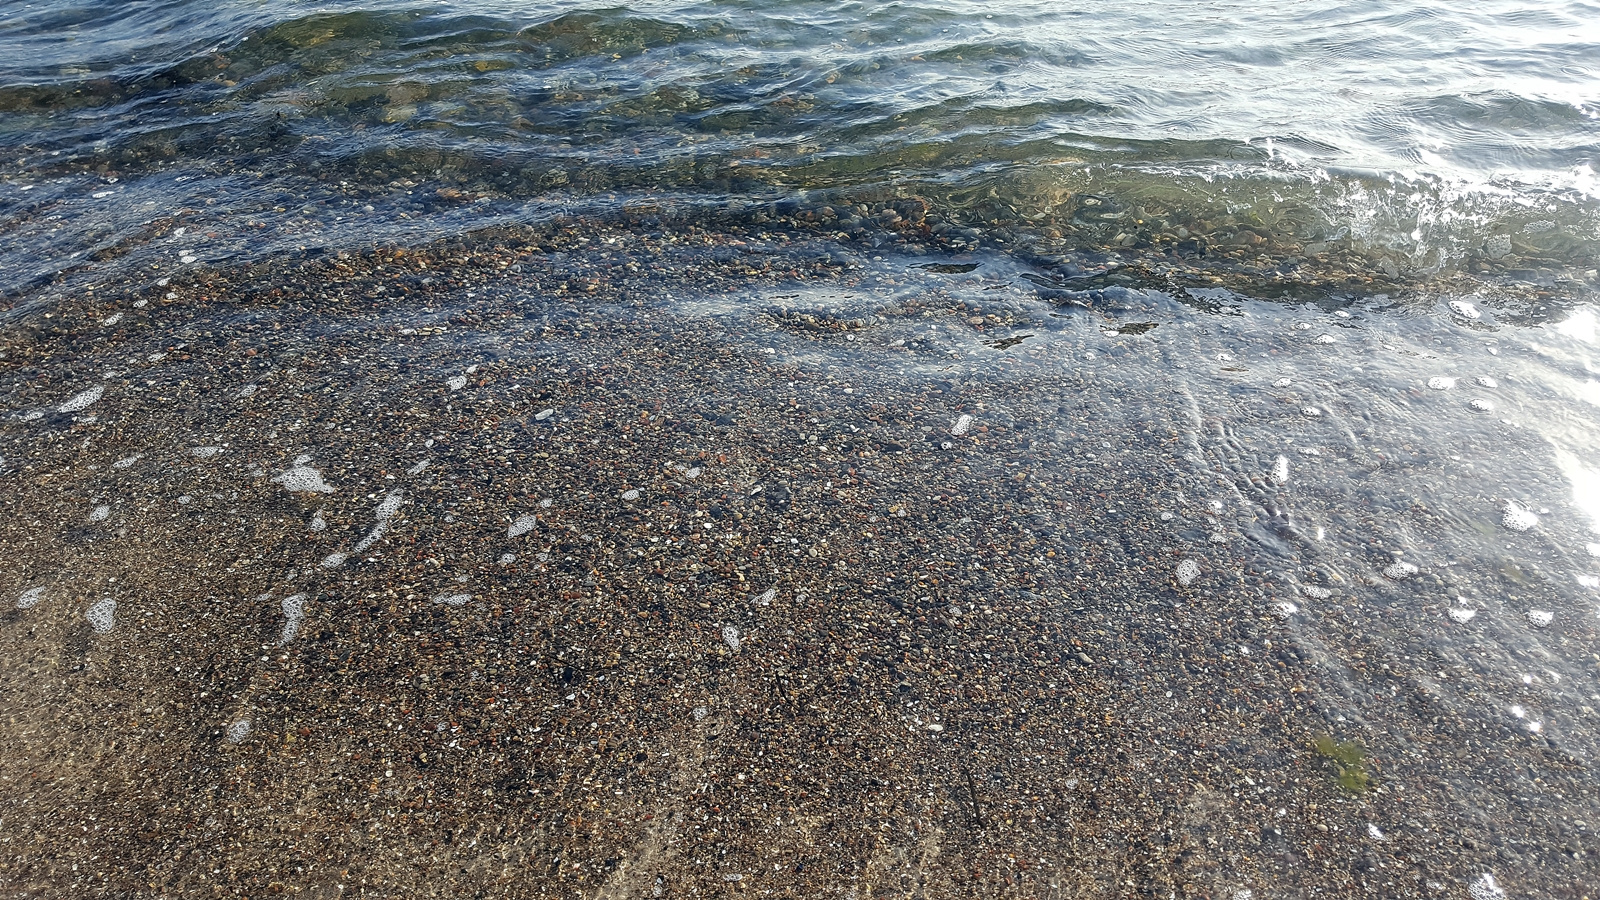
[(840, 450)]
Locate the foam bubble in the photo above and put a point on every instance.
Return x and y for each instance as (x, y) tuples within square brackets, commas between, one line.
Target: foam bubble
[(700, 713), (1481, 405), (1188, 571), (1311, 412), (1541, 617), (767, 597), (334, 560), (524, 524), (1375, 832), (30, 597), (302, 479), (102, 616), (457, 383), (453, 599), (205, 452), (317, 522), (1486, 381), (1518, 519), (1441, 383), (1464, 309), (112, 319), (417, 469), (238, 731), (1283, 382), (1280, 470), (692, 473), (1325, 339), (82, 400), (1315, 592), (390, 506), (294, 611), (1462, 616), (248, 390), (373, 536), (1399, 570), (1485, 888), (100, 513), (1285, 608), (127, 461), (962, 425), (730, 636), (630, 494), (1589, 581)]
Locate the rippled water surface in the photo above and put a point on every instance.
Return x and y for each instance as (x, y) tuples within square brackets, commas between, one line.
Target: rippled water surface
[(814, 450)]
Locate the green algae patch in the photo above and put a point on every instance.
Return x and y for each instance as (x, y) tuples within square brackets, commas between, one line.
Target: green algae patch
[(1348, 762)]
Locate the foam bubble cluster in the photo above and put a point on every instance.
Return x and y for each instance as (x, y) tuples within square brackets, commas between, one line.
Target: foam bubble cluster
[(102, 616), (1280, 470), (731, 637), (1486, 889), (1518, 519), (1541, 617), (1188, 571), (1464, 309), (962, 425), (1481, 405), (82, 400), (30, 597), (522, 525), (1399, 570), (294, 612), (302, 479), (1462, 616), (1441, 383), (238, 731), (453, 599)]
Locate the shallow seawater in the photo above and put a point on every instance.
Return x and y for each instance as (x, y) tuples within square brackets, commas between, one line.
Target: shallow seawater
[(815, 451)]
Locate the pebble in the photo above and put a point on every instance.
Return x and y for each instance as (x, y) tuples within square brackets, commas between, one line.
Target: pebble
[(543, 414)]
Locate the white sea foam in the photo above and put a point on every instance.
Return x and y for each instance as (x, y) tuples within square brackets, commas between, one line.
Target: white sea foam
[(730, 636), (1280, 470), (1481, 405), (1461, 616), (453, 599), (30, 597), (1486, 381), (1188, 571), (1441, 383), (767, 597), (390, 506), (127, 461), (962, 425), (205, 452), (102, 615), (334, 560), (82, 400), (1311, 412), (1315, 592), (238, 731), (1485, 888), (100, 513), (417, 469), (1285, 608), (1464, 309), (373, 536), (302, 479), (630, 495), (294, 612), (247, 391), (457, 383), (1541, 617), (1399, 570), (1518, 519), (524, 524)]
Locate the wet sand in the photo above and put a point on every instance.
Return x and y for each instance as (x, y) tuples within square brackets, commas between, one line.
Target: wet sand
[(783, 624)]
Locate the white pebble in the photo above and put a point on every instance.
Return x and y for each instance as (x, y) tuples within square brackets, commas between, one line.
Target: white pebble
[(30, 597), (1464, 309), (1518, 519), (630, 494), (1188, 571), (1441, 383), (453, 599), (1540, 618), (1462, 616), (543, 414), (1481, 405), (83, 400), (730, 636), (303, 479), (457, 383), (1485, 888), (102, 616), (524, 524), (1280, 470), (961, 426), (238, 731), (1399, 570)]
